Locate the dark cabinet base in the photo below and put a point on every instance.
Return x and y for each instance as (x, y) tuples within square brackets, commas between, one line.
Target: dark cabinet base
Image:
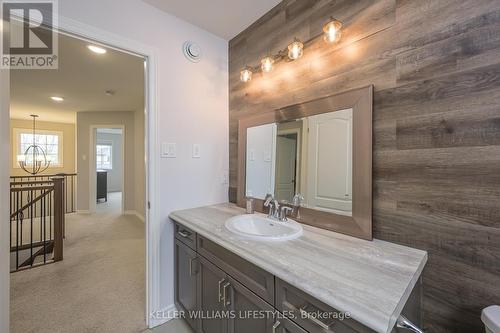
[(231, 295)]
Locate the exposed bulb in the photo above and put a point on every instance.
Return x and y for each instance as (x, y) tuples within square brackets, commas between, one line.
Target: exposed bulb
[(295, 49), (267, 64), (332, 31), (246, 74)]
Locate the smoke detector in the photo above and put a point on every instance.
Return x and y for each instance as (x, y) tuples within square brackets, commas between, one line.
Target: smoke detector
[(192, 51)]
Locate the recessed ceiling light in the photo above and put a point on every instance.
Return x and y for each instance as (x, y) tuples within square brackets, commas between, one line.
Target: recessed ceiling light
[(57, 98), (97, 49)]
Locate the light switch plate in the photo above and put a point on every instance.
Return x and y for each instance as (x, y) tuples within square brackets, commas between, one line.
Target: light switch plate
[(168, 150), (196, 150)]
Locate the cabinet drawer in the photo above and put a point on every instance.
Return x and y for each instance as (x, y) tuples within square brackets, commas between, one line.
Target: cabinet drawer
[(254, 278), (185, 235), (311, 314)]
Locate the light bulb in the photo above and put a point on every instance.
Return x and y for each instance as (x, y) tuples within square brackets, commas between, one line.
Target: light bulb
[(332, 31), (267, 64), (246, 74), (295, 49)]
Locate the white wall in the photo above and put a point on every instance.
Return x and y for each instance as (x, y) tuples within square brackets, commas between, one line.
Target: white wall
[(192, 102), (115, 175), (4, 202), (261, 160)]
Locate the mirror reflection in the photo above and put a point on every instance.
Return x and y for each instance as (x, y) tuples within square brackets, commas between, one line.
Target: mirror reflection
[(309, 158)]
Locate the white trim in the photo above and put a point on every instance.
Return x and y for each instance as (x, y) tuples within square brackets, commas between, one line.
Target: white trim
[(135, 213), (163, 317), (153, 230), (81, 211)]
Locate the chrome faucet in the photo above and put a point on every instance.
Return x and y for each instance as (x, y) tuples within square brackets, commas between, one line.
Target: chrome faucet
[(273, 205), (297, 200), (276, 211)]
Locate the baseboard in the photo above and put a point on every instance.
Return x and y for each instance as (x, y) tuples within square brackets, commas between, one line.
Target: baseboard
[(136, 213), (162, 316), (79, 211)]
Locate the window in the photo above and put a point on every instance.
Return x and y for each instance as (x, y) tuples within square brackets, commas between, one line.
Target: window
[(49, 141), (104, 156)]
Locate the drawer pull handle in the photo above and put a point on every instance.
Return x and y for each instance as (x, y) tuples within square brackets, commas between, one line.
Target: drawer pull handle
[(313, 319), (191, 261), (276, 325), (403, 322), (225, 301), (184, 233), (220, 289)]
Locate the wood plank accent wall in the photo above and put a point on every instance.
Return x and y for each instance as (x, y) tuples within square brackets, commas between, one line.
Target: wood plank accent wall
[(435, 65)]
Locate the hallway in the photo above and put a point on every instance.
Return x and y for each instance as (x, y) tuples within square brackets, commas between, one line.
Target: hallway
[(98, 287)]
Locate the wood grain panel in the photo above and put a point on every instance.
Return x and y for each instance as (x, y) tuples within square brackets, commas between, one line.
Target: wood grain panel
[(435, 65)]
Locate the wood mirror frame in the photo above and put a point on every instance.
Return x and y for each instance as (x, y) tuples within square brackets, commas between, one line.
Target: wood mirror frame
[(361, 102)]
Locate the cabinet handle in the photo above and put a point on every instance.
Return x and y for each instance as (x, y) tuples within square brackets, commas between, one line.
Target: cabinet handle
[(184, 233), (276, 325), (220, 291), (191, 266), (224, 295), (313, 319)]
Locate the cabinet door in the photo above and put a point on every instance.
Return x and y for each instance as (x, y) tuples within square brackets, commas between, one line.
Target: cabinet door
[(251, 314), (185, 280), (211, 281)]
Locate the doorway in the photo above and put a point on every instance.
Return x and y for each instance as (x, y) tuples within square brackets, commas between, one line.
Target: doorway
[(109, 162), (140, 140)]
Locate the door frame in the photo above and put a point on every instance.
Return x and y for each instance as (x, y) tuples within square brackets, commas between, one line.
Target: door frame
[(93, 167), (95, 35)]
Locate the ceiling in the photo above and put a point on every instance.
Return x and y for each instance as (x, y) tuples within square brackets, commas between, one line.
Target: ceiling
[(82, 80), (224, 18)]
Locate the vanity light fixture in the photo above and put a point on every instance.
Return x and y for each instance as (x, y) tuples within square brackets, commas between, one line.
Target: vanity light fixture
[(267, 64), (332, 30), (332, 33), (295, 49), (97, 49), (246, 74)]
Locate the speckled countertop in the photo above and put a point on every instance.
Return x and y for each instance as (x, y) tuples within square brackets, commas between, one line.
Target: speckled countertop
[(372, 280)]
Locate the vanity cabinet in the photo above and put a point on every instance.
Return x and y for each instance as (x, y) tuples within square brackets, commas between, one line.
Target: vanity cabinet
[(186, 272), (228, 291)]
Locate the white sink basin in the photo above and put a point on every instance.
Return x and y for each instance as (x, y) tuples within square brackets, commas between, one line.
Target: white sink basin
[(259, 227)]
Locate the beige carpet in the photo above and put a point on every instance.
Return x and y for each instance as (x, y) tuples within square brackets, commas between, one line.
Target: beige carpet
[(98, 287)]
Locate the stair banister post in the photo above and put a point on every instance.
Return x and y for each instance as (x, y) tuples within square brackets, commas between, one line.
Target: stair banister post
[(59, 215)]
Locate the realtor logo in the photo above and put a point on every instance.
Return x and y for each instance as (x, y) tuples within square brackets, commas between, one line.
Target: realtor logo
[(29, 34)]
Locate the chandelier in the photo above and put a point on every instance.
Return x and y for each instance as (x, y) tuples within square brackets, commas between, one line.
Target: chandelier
[(34, 159)]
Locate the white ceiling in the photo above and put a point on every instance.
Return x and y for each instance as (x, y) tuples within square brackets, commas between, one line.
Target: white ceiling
[(224, 18), (82, 79)]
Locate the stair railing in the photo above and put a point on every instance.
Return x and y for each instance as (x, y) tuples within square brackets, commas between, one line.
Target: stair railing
[(37, 221)]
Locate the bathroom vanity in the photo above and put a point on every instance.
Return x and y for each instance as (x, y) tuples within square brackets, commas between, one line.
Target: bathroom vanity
[(302, 285)]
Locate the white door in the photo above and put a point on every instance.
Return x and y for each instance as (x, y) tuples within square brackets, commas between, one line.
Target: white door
[(286, 156), (329, 178)]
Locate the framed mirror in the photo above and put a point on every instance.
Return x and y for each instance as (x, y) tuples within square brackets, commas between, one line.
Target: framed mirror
[(319, 150)]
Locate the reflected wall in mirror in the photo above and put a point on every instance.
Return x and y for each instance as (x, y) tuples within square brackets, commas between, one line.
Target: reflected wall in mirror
[(320, 149), (311, 156)]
